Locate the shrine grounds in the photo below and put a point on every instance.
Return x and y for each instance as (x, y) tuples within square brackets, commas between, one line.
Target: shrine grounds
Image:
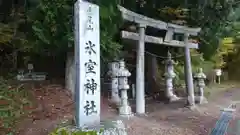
[(53, 106)]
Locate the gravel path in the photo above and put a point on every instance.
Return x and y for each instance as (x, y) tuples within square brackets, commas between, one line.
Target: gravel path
[(173, 119), (163, 119)]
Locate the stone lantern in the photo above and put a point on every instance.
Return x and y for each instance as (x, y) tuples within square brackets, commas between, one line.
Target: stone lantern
[(113, 73), (200, 78), (169, 76), (123, 74)]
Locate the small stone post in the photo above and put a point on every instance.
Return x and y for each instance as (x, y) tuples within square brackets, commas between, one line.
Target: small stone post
[(169, 75), (113, 73), (200, 77), (30, 68), (218, 75), (133, 91), (123, 74)]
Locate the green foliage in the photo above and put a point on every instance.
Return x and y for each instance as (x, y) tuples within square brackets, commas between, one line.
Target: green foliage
[(197, 62), (6, 33), (179, 70), (233, 65), (13, 105), (226, 48), (216, 18), (52, 25), (232, 55), (10, 35), (52, 22), (110, 22), (11, 31), (65, 131), (12, 39)]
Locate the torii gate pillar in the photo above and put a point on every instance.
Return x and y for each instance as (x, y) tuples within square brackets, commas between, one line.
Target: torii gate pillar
[(140, 81), (188, 73)]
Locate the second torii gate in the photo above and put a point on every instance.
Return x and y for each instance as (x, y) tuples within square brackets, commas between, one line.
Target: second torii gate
[(143, 22)]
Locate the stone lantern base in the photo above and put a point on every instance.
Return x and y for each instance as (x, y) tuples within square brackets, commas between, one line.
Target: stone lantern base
[(173, 98), (125, 111)]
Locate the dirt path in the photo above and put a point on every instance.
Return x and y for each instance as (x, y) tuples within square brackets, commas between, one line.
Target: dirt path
[(173, 119), (55, 105)]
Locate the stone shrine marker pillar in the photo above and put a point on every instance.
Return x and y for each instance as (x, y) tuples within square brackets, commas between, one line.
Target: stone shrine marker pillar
[(87, 61)]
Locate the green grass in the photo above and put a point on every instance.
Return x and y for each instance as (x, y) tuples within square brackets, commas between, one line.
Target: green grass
[(66, 131), (14, 104)]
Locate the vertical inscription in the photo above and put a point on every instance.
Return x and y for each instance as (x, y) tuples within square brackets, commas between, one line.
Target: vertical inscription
[(88, 110)]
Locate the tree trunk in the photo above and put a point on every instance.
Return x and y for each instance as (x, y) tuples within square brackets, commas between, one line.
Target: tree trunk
[(70, 73)]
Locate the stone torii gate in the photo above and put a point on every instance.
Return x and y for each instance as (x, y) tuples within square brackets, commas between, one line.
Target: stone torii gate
[(143, 22)]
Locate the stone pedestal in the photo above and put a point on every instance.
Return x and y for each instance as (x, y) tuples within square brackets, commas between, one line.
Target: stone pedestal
[(107, 128), (114, 91), (125, 109), (113, 73), (113, 128), (169, 90)]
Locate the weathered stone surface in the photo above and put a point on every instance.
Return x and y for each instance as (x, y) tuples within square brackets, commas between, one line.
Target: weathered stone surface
[(109, 128), (200, 83), (70, 72), (114, 128)]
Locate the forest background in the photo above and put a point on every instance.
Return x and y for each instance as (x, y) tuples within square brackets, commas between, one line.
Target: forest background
[(41, 32)]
